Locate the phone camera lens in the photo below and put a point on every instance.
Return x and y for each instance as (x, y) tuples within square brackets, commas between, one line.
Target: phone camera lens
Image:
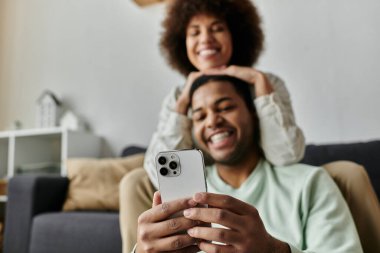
[(161, 160), (173, 165), (164, 171)]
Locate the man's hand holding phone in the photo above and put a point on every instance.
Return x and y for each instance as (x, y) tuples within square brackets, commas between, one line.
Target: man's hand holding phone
[(244, 232), (158, 229), (163, 228)]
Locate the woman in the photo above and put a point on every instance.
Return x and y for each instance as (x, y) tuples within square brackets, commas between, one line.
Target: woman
[(224, 37)]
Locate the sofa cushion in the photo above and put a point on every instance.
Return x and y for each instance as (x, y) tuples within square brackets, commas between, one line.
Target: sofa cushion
[(76, 232), (94, 183), (366, 154)]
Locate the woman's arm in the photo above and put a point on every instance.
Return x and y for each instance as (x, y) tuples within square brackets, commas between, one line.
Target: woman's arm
[(281, 139)]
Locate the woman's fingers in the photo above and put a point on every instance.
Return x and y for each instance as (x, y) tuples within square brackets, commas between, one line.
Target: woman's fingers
[(183, 101), (215, 71), (247, 74)]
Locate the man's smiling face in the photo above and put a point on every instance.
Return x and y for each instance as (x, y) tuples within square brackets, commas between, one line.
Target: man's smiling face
[(223, 126)]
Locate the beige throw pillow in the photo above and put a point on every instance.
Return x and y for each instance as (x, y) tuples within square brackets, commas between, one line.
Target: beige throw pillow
[(94, 183)]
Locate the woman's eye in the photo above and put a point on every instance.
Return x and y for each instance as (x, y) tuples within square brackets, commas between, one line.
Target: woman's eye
[(218, 28), (193, 32)]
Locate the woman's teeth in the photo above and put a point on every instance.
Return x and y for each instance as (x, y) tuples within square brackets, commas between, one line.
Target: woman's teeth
[(207, 52)]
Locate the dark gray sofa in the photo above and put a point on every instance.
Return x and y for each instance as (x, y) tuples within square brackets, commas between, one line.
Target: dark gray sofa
[(35, 224)]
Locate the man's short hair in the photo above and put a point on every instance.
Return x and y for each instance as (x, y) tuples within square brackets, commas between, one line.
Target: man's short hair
[(241, 17), (241, 87)]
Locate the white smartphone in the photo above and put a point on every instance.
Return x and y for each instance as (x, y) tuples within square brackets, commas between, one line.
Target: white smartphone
[(180, 173)]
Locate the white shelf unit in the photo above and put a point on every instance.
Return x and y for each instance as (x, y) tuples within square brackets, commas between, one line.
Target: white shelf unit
[(52, 145)]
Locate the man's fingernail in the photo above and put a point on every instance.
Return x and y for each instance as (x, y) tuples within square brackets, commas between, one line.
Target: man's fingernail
[(190, 231), (187, 212), (198, 196), (192, 202)]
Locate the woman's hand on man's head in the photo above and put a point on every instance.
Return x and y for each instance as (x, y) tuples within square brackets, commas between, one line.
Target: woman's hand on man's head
[(248, 74), (183, 101)]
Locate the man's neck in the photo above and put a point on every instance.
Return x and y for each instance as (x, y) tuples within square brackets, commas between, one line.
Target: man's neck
[(236, 174)]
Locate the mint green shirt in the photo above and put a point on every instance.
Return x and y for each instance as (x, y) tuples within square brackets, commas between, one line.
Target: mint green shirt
[(299, 204)]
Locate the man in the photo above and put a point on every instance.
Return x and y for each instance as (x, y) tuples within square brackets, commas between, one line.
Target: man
[(256, 207)]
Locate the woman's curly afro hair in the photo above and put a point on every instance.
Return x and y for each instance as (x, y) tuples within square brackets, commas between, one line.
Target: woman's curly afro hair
[(242, 20)]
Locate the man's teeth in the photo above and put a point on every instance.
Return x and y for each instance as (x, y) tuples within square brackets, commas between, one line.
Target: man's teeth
[(219, 137), (207, 52)]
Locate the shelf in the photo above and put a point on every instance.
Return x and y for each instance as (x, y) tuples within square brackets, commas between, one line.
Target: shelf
[(31, 147), (32, 132)]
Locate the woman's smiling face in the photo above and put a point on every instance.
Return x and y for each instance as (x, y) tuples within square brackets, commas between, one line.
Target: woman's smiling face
[(208, 42)]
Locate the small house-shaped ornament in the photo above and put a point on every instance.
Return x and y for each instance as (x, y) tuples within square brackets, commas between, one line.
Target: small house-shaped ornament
[(71, 121), (48, 110)]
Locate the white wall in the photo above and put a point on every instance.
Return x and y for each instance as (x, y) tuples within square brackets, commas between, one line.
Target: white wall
[(101, 57), (327, 51)]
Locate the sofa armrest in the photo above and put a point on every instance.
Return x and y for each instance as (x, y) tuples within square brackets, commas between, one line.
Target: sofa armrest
[(27, 197), (363, 153)]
